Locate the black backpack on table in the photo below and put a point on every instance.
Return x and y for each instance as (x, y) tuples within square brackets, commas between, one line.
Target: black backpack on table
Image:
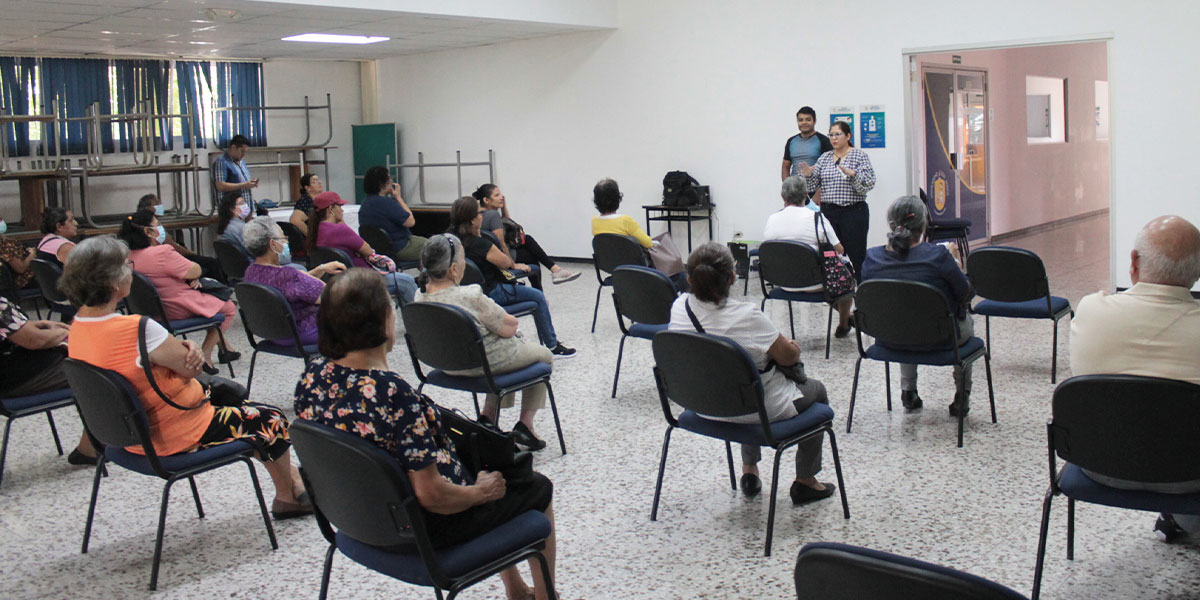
[(681, 189)]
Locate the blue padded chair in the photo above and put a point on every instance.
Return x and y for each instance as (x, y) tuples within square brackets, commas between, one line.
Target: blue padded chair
[(947, 228), (446, 338), (15, 295), (381, 242), (361, 489), (266, 314), (712, 375), (47, 275), (1125, 427), (143, 299), (233, 260), (610, 251), (788, 263), (473, 275), (909, 314), (644, 296), (24, 406), (114, 416), (1013, 283), (833, 571)]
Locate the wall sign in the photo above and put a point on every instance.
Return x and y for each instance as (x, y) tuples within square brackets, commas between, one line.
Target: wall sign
[(842, 113), (872, 133)]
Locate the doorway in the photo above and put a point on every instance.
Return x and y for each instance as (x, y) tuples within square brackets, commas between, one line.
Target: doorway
[(955, 167)]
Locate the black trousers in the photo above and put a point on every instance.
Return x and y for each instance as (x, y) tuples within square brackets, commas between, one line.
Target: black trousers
[(850, 223), (531, 253)]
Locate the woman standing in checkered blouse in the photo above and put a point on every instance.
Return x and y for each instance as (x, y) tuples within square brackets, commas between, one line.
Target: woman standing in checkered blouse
[(844, 176)]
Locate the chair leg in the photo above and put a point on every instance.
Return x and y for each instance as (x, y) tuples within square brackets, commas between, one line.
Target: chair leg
[(4, 447), (987, 332), (662, 465), (853, 394), (53, 432), (325, 571), (547, 578), (1070, 529), (828, 331), (596, 309), (887, 383), (196, 497), (958, 389), (837, 467), (475, 399), (774, 493), (617, 372), (791, 320), (87, 529), (262, 504), (250, 377), (729, 459), (1041, 552), (1054, 355), (562, 444), (987, 365), (158, 539)]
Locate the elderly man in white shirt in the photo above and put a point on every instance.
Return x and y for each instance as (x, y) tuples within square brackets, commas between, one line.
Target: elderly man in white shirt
[(798, 221), (1152, 329)]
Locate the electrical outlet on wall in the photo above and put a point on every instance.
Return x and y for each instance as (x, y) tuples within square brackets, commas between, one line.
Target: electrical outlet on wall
[(737, 235)]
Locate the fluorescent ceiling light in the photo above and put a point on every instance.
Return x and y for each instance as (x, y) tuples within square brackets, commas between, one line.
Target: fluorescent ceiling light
[(332, 38)]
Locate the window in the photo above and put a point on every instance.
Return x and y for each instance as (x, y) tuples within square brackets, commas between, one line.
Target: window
[(1045, 110)]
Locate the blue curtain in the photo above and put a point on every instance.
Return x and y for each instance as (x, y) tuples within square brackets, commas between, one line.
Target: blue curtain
[(75, 83), (191, 77), (143, 80), (240, 84), (16, 79)]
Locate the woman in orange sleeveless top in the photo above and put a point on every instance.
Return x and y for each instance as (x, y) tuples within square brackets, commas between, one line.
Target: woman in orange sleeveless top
[(97, 275)]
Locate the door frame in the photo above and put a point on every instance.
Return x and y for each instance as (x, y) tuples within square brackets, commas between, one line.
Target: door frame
[(919, 141)]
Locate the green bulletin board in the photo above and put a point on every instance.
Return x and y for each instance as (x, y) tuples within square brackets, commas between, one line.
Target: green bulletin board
[(372, 146)]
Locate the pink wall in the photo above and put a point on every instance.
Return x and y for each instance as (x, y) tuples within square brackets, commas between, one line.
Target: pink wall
[(1041, 183)]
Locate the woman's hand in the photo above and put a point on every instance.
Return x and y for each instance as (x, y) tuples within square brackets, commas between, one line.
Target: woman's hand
[(522, 267), (805, 169), (332, 267), (195, 356), (847, 171), (491, 485), (194, 284)]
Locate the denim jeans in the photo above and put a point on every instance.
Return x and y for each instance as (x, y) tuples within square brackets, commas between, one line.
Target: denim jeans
[(401, 284), (506, 294)]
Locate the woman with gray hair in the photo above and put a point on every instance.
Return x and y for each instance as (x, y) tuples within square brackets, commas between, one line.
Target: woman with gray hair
[(443, 262), (265, 241), (907, 256)]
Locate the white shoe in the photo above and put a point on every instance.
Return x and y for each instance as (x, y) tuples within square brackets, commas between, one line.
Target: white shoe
[(564, 276)]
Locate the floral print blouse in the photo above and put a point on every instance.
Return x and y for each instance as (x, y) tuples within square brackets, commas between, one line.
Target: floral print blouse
[(381, 407)]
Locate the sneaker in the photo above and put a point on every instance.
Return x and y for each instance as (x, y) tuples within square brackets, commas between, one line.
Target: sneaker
[(561, 351), (564, 276)]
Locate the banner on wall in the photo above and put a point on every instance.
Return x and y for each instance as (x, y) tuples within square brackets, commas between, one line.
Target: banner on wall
[(842, 113), (872, 133)]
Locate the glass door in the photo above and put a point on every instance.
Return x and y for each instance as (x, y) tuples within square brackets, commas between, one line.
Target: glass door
[(956, 135)]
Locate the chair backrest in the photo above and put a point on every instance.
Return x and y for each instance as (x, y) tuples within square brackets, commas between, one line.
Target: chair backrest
[(1129, 427), (295, 239), (48, 274), (143, 299), (788, 263), (8, 283), (378, 239), (643, 295), (904, 313), (324, 254), (356, 485), (471, 274), (610, 250), (1007, 274), (265, 311), (708, 374), (233, 260), (442, 336), (834, 571), (110, 408)]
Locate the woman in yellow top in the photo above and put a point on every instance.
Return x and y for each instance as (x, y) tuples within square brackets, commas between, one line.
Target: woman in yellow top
[(607, 197)]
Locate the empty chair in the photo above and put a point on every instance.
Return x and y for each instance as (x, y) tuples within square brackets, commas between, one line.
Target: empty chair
[(832, 571), (14, 408), (47, 275), (610, 251), (233, 260), (266, 314), (644, 296), (942, 228), (713, 376), (791, 264), (143, 299), (382, 243), (16, 295), (1013, 284), (917, 316), (1121, 429), (324, 254)]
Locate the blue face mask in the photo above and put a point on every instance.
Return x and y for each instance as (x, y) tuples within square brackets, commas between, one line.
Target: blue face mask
[(3, 226), (285, 256), (159, 210), (162, 234)]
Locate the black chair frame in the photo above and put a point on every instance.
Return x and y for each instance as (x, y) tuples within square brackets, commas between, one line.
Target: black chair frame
[(295, 239), (232, 260), (12, 415), (957, 231), (472, 275), (698, 397), (118, 422), (458, 346), (15, 295), (609, 251), (381, 242), (47, 275), (143, 299), (788, 263), (937, 326), (273, 319), (648, 295)]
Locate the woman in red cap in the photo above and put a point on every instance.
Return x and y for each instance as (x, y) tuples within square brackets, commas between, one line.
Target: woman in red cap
[(328, 229)]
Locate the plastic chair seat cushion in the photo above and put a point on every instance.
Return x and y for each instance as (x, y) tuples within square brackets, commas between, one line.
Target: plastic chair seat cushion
[(918, 565), (527, 528), (753, 252), (924, 357), (25, 293), (175, 462), (647, 330), (752, 433), (527, 306), (1076, 484), (52, 399), (1029, 309), (607, 281), (479, 384), (286, 348), (197, 323), (782, 294)]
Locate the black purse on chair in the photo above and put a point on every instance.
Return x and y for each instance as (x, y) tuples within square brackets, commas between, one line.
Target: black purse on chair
[(482, 448)]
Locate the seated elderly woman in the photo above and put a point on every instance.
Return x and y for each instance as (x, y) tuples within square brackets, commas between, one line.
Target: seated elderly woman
[(710, 273), (354, 389), (443, 263), (175, 278), (60, 226), (465, 222), (96, 277), (907, 256), (269, 247), (327, 228), (606, 195), (797, 221)]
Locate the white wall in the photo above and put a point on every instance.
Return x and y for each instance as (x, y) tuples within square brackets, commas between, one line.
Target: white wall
[(1030, 183)]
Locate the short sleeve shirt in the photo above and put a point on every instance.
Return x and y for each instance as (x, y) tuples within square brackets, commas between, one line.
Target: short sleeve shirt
[(380, 407), (11, 251), (304, 204), (227, 170), (387, 214), (340, 236), (492, 220), (12, 319), (477, 248), (489, 317), (798, 150)]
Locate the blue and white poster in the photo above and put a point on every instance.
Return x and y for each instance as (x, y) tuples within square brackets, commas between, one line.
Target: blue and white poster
[(872, 133), (842, 113)]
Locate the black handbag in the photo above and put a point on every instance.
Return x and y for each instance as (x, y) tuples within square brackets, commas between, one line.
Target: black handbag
[(213, 287), (794, 372), (481, 448)]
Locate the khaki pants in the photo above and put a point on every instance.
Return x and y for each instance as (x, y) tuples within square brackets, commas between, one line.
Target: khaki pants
[(532, 398)]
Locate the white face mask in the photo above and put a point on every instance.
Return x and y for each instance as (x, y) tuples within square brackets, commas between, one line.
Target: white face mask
[(159, 210), (3, 226)]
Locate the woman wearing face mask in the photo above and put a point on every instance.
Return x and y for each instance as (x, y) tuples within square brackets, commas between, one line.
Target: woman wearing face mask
[(844, 176), (175, 279), (232, 214), (210, 265)]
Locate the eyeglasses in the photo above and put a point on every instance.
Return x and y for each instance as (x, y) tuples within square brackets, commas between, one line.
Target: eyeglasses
[(834, 134)]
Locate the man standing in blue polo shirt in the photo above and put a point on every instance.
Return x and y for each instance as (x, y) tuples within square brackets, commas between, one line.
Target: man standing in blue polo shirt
[(230, 173), (805, 147)]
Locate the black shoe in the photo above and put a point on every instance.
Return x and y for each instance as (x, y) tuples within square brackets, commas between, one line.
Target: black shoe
[(751, 484), (210, 369), (961, 404), (801, 493), (910, 399), (842, 332), (561, 351), (227, 356), (78, 458), (1171, 530), (523, 437)]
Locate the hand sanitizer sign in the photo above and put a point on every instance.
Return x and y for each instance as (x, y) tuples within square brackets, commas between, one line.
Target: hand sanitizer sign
[(872, 133)]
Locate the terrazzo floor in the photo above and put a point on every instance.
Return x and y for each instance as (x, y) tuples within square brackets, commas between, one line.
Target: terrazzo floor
[(910, 490)]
